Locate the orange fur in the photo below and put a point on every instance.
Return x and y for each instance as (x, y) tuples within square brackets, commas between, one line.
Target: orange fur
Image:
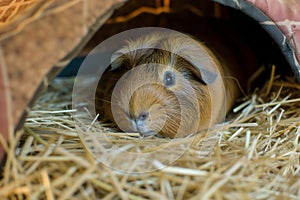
[(188, 106)]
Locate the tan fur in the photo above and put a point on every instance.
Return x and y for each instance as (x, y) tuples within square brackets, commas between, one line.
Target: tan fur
[(175, 111)]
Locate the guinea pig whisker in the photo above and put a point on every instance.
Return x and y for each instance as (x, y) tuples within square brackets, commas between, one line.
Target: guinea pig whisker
[(129, 117), (115, 95), (103, 100)]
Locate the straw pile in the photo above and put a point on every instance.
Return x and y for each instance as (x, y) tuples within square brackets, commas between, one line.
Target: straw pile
[(16, 14), (10, 9), (256, 155)]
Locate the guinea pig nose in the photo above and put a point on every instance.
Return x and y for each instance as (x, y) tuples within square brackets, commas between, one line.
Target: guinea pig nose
[(142, 116)]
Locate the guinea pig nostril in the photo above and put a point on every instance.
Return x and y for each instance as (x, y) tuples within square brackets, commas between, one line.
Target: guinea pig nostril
[(143, 116)]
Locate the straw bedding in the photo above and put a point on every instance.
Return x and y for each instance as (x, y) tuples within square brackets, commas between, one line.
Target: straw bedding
[(256, 155)]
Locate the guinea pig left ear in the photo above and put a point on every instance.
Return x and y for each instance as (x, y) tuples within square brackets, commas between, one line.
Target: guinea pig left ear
[(207, 76), (200, 58), (196, 74), (202, 75)]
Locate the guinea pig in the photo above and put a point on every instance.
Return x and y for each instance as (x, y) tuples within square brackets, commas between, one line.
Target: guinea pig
[(168, 84)]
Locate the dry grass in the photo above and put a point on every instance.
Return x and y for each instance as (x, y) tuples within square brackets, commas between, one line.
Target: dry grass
[(256, 155)]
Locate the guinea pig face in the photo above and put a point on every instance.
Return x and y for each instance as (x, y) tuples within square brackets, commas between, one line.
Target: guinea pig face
[(162, 93)]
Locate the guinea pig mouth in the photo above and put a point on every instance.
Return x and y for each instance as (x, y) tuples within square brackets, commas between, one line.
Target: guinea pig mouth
[(147, 133), (142, 129)]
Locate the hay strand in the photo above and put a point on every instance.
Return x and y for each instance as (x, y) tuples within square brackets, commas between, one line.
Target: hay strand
[(256, 155)]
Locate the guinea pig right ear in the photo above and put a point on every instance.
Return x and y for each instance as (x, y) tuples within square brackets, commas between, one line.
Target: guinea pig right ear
[(135, 51), (128, 60), (120, 60)]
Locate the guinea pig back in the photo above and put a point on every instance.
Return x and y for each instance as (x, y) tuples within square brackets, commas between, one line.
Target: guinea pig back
[(167, 84)]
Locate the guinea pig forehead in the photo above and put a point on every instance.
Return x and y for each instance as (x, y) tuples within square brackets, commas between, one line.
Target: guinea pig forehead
[(159, 60), (146, 71), (165, 58)]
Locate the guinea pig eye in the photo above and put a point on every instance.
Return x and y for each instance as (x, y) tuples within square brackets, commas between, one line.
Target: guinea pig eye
[(169, 79)]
